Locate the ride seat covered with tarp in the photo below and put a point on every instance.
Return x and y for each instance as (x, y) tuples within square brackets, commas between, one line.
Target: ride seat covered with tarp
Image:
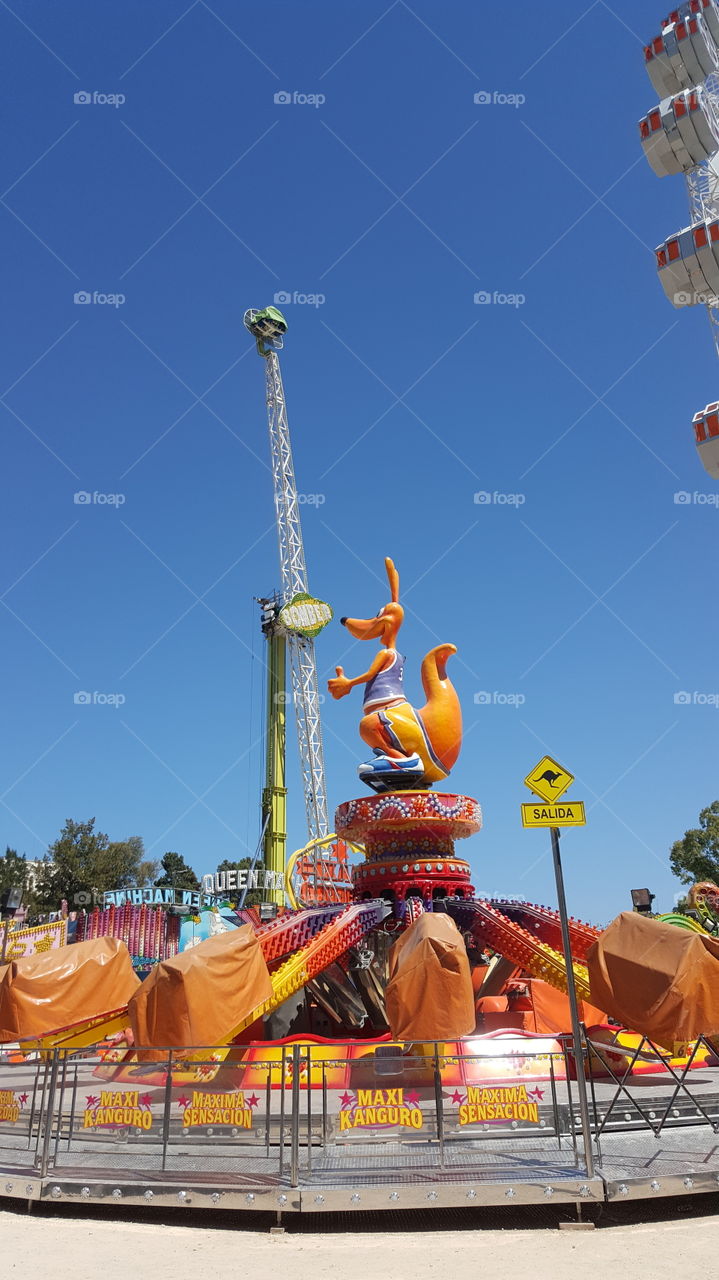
[(429, 995), (197, 998), (65, 987), (656, 979)]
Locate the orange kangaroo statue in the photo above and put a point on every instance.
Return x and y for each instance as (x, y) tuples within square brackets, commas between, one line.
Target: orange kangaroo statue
[(411, 748)]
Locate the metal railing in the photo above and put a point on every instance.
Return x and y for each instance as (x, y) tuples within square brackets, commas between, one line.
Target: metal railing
[(312, 1113)]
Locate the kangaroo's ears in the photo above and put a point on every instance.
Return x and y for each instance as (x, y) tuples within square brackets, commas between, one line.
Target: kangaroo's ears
[(393, 579)]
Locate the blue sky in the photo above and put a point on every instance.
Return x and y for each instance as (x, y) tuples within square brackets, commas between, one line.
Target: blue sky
[(396, 199)]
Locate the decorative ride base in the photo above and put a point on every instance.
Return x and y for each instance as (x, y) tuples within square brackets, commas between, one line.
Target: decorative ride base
[(409, 842)]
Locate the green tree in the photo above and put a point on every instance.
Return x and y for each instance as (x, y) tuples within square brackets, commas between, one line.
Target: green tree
[(696, 856), (13, 871), (176, 874), (254, 896), (146, 873), (82, 864), (116, 866)]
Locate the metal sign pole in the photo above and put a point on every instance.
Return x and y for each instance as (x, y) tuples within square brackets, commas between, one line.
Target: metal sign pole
[(573, 1007)]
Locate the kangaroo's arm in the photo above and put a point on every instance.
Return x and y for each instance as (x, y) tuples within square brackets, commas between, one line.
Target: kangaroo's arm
[(341, 685)]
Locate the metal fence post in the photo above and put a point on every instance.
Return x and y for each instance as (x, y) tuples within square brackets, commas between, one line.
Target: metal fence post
[(283, 1080), (268, 1107), (324, 1104), (73, 1106), (48, 1114), (570, 1101), (59, 1107), (167, 1103), (309, 1108), (439, 1106), (555, 1108), (33, 1104), (295, 1126)]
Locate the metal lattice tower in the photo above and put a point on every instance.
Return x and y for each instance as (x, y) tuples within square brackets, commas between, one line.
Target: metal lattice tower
[(303, 664), (293, 569)]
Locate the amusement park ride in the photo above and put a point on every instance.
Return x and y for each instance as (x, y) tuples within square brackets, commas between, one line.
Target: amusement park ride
[(681, 136), (325, 959)]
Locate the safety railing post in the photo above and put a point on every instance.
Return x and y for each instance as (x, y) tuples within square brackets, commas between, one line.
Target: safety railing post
[(555, 1108), (46, 1067), (283, 1081), (309, 1108), (60, 1104), (268, 1107), (439, 1106), (73, 1106), (570, 1101), (166, 1110), (48, 1114), (324, 1104), (33, 1104), (590, 1073), (295, 1119)]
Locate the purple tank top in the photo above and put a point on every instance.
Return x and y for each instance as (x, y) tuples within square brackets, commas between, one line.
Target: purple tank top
[(386, 686)]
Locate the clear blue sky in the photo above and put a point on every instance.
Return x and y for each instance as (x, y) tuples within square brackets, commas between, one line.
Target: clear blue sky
[(398, 198)]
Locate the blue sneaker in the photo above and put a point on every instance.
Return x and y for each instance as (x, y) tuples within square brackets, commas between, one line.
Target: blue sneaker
[(384, 765)]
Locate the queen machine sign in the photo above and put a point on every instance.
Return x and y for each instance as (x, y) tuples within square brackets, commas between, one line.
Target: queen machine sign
[(218, 885), (224, 882)]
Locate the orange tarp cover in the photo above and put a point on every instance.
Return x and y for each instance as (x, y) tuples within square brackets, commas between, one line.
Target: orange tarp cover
[(64, 987), (429, 995), (656, 978), (550, 1009), (199, 996)]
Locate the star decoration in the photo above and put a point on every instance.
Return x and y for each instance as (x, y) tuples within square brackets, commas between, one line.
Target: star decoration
[(145, 1099), (183, 1102), (23, 1099), (413, 1098), (346, 1099), (535, 1093), (253, 1101), (90, 1101), (457, 1097)]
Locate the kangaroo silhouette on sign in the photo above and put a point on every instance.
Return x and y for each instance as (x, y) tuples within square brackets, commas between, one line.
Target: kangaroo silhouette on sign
[(411, 748), (549, 776)]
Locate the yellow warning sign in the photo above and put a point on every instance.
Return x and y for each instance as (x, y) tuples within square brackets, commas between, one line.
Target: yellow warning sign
[(569, 814), (548, 779)]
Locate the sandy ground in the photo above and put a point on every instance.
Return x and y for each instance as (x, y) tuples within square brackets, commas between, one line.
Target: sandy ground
[(87, 1249)]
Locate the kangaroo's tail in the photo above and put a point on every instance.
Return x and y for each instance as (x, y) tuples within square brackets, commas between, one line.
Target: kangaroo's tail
[(441, 715)]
